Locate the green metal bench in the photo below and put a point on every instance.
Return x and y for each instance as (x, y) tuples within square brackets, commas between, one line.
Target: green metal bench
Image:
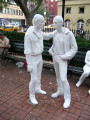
[(16, 53)]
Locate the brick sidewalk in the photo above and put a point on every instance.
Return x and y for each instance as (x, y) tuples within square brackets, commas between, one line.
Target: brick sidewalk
[(14, 102)]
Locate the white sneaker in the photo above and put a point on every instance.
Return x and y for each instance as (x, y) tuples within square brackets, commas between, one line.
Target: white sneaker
[(78, 84), (66, 103), (58, 93), (41, 91), (33, 100)]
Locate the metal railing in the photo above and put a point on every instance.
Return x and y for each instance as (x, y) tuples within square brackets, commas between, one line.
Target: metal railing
[(85, 34)]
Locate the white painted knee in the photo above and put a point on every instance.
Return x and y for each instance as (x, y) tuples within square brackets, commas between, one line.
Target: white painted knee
[(86, 74)]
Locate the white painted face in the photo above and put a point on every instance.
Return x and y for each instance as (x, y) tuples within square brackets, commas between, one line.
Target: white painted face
[(38, 21), (58, 22)]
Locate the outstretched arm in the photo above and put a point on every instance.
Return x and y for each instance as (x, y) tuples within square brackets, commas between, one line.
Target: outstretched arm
[(47, 36)]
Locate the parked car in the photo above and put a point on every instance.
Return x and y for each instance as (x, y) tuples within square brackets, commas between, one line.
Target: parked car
[(9, 28), (49, 26)]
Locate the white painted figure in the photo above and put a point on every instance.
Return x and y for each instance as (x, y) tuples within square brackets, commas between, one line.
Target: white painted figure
[(33, 44), (63, 49), (89, 92), (86, 69)]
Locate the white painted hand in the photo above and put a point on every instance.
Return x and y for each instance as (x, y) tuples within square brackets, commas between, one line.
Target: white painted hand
[(63, 57), (29, 68)]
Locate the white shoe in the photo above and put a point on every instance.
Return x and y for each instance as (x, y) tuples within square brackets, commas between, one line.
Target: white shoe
[(58, 93), (66, 103), (78, 84), (40, 91), (33, 100)]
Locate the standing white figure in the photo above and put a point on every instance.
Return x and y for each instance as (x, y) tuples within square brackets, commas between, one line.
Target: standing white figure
[(86, 69), (33, 44), (63, 49)]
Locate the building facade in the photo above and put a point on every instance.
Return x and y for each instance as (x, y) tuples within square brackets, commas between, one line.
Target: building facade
[(12, 15), (76, 14), (53, 7)]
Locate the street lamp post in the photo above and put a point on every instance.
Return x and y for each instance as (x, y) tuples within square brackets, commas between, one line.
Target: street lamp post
[(63, 7)]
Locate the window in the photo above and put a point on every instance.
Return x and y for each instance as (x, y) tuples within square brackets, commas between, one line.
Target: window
[(51, 10), (19, 12), (11, 11), (67, 23), (4, 10), (16, 12), (68, 10), (7, 10), (11, 27), (51, 5), (80, 24), (81, 10)]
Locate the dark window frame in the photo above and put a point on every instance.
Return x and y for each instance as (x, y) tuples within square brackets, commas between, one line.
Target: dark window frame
[(68, 10), (81, 10)]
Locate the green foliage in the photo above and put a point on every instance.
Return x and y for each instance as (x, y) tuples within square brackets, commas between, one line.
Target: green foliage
[(41, 11), (82, 42), (14, 36)]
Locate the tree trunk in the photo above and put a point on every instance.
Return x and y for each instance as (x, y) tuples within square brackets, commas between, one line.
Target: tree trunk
[(29, 20)]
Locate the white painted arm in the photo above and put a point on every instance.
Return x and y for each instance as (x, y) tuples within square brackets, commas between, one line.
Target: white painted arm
[(47, 36), (86, 58), (73, 48), (27, 52), (51, 51)]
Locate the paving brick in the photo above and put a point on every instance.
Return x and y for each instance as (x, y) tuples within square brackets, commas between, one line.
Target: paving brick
[(86, 117), (78, 105), (58, 112), (2, 118), (73, 110), (15, 104), (85, 107), (78, 112), (43, 115), (73, 116), (5, 116)]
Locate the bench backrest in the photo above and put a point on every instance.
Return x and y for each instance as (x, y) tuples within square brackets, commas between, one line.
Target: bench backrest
[(79, 59)]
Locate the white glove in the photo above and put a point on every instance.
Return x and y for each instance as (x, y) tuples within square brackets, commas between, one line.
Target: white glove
[(29, 68)]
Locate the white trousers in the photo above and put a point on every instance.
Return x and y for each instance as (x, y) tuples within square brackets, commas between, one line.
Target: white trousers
[(85, 74), (35, 82), (61, 76)]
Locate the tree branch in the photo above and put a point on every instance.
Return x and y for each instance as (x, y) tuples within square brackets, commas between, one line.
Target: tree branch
[(38, 5), (23, 6)]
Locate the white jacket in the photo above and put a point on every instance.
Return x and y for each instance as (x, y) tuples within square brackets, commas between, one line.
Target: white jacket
[(70, 45)]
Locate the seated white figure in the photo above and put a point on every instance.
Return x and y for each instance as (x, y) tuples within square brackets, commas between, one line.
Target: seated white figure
[(89, 92), (86, 69)]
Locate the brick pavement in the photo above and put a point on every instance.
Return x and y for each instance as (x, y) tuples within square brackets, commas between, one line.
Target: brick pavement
[(15, 105)]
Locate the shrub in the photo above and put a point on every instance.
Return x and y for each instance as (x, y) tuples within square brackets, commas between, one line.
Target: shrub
[(15, 36)]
